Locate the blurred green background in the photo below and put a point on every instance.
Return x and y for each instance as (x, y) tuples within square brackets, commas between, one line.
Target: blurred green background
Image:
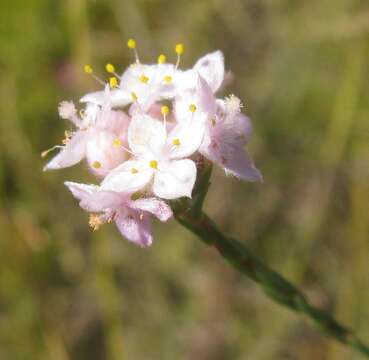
[(301, 69)]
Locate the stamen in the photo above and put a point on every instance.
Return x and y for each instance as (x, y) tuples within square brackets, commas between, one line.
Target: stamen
[(44, 153), (134, 96), (144, 79), (176, 142), (89, 70), (96, 164), (179, 49), (113, 82), (123, 147), (162, 59), (154, 164), (192, 108), (131, 43), (213, 122), (134, 171), (95, 222), (164, 111), (141, 217), (168, 79), (117, 142), (110, 68)]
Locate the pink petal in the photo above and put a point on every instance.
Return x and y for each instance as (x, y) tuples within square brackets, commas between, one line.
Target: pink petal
[(135, 227), (211, 68), (71, 154), (94, 200), (241, 166), (154, 206), (206, 99), (115, 98)]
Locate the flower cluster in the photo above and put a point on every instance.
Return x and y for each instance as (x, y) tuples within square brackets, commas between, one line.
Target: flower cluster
[(142, 134)]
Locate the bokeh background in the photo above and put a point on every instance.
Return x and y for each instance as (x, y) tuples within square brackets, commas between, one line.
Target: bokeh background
[(301, 69)]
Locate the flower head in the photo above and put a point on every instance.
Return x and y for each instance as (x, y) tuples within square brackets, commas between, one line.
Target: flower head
[(171, 117)]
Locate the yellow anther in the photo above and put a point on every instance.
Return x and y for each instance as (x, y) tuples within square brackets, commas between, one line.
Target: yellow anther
[(96, 164), (162, 59), (95, 222), (176, 142), (179, 49), (110, 68), (134, 96), (113, 82), (154, 164), (213, 122), (168, 79), (144, 79), (164, 110), (88, 69), (134, 171), (117, 142), (192, 108), (131, 44)]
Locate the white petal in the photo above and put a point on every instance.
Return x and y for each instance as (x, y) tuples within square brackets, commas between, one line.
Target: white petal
[(155, 206), (129, 177), (92, 199), (71, 154), (186, 137), (175, 180), (146, 135), (116, 97), (211, 68)]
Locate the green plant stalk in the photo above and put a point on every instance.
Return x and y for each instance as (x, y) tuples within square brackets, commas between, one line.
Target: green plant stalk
[(189, 214)]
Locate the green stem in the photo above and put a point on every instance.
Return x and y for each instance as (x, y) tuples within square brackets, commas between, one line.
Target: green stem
[(274, 285)]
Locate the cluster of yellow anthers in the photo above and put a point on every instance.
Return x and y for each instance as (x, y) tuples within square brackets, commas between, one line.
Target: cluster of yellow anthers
[(114, 77)]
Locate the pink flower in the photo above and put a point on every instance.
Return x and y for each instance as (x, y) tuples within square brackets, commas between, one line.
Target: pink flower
[(101, 131), (158, 162), (132, 217), (223, 130)]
